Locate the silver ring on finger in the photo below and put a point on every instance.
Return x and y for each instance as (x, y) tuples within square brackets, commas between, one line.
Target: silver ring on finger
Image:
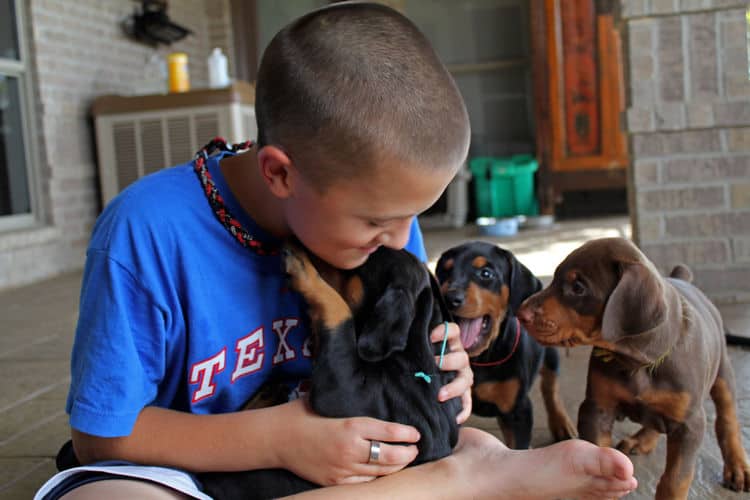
[(374, 452)]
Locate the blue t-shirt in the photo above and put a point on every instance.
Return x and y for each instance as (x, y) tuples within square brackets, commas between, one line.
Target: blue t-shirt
[(175, 313)]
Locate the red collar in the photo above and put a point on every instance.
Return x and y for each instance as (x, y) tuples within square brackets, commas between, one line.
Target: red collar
[(512, 351)]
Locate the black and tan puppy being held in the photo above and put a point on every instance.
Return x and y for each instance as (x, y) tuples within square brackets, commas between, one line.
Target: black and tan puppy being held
[(372, 356), (659, 352), (483, 286)]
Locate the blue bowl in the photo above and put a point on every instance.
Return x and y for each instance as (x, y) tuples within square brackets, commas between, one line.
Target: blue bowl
[(490, 226)]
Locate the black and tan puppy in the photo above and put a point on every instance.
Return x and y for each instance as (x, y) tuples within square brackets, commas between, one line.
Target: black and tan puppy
[(659, 352), (370, 328), (483, 285)]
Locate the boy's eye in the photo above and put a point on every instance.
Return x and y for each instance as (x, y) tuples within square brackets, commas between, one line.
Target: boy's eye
[(374, 223)]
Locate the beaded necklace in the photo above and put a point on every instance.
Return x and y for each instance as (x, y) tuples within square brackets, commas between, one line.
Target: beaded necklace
[(216, 201)]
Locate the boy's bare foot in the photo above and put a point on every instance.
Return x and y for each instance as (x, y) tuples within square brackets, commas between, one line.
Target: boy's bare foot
[(568, 469)]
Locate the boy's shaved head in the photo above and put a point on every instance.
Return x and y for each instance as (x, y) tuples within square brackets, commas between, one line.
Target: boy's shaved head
[(353, 84)]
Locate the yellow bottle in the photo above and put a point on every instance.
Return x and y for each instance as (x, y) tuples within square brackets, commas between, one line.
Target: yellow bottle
[(179, 78)]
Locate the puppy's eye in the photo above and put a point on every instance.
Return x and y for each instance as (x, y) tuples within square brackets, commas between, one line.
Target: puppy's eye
[(486, 274), (577, 288)]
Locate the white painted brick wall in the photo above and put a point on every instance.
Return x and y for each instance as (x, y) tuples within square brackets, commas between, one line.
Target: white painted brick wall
[(220, 32), (79, 52)]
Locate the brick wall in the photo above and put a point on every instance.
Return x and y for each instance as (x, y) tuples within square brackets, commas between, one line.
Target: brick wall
[(220, 34), (78, 52), (689, 120)]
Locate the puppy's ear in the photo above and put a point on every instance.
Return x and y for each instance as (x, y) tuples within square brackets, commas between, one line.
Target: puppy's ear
[(636, 305), (523, 283), (444, 264), (386, 329)]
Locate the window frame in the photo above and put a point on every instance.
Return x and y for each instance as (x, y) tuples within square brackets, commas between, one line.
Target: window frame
[(21, 70)]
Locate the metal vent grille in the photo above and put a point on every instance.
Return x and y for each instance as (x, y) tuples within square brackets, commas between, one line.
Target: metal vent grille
[(178, 133), (206, 128), (152, 146), (126, 153), (130, 145)]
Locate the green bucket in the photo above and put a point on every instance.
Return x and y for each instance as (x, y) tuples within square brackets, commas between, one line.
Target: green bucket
[(504, 186)]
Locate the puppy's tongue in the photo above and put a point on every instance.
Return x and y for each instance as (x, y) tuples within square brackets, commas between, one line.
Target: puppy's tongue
[(470, 329)]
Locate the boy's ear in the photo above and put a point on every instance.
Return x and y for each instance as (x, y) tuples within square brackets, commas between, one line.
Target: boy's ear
[(386, 329), (275, 167)]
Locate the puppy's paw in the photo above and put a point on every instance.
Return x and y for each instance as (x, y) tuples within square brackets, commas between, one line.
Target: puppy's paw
[(301, 272), (642, 442), (737, 475), (562, 427), (629, 446)]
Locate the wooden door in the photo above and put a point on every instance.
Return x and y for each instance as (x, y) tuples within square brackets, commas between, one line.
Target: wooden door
[(579, 97)]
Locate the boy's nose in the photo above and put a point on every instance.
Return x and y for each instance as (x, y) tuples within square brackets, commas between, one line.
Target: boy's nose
[(398, 236)]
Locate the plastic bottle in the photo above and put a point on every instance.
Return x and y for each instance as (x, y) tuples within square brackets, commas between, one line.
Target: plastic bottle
[(154, 79), (218, 75), (179, 78)]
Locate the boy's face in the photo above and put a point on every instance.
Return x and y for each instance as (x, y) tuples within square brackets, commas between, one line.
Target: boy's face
[(353, 217)]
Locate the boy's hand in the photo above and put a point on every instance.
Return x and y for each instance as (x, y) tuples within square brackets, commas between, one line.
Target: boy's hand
[(331, 451), (456, 360)]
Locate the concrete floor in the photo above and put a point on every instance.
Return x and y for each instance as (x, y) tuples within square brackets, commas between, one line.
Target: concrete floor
[(36, 333)]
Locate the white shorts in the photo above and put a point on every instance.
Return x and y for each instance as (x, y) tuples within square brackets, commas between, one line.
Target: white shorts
[(64, 481)]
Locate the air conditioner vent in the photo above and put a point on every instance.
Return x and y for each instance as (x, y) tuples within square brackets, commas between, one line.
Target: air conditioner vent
[(132, 144), (178, 132), (126, 153), (206, 127), (152, 146)]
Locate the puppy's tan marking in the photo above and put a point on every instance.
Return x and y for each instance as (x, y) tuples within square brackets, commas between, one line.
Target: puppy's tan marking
[(354, 292), (671, 404), (606, 391), (325, 304), (479, 302), (642, 442), (448, 264), (503, 394), (504, 296), (557, 418), (563, 326), (508, 437), (479, 262), (736, 470), (608, 394), (675, 483)]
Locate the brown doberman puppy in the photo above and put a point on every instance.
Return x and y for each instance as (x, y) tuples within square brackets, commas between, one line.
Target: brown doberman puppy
[(659, 351)]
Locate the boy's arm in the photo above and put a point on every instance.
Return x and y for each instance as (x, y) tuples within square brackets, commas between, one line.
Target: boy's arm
[(324, 450), (290, 436), (183, 440)]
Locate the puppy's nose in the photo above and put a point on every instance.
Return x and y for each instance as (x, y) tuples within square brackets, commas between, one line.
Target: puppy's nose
[(454, 298)]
